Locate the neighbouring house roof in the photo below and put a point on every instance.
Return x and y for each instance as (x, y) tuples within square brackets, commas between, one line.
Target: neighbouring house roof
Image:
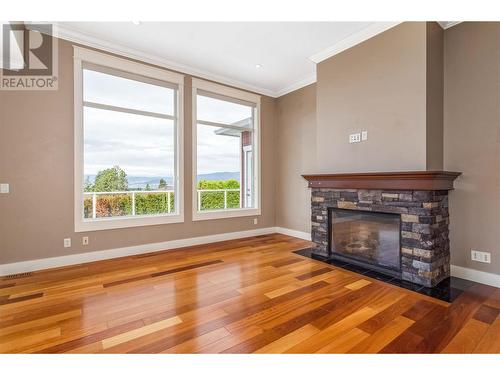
[(243, 125)]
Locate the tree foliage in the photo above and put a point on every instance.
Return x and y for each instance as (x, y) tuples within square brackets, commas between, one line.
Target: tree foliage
[(121, 204), (115, 179), (214, 200), (162, 185), (111, 179), (218, 184)]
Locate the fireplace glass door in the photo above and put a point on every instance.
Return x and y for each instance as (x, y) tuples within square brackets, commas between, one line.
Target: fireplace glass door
[(366, 237)]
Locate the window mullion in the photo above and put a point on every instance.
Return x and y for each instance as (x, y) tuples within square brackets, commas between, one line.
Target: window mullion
[(127, 110)]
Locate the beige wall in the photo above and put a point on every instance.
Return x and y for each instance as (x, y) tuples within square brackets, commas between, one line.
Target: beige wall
[(434, 97), (36, 158), (379, 86), (472, 140), (295, 156)]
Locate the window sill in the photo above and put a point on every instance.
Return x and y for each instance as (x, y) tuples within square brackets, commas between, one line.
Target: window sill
[(225, 214), (126, 222)]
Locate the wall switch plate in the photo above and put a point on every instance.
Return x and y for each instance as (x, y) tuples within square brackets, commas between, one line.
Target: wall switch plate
[(85, 241), (480, 256), (4, 188), (364, 135), (255, 221), (67, 242), (355, 138)]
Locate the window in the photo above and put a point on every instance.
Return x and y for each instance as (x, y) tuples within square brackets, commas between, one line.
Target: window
[(226, 164), (128, 139)]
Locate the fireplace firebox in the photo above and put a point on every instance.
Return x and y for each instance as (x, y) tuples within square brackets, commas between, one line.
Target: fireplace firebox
[(367, 238)]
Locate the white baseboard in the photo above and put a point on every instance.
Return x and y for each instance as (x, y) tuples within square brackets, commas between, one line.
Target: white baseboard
[(475, 275), (294, 233), (67, 260)]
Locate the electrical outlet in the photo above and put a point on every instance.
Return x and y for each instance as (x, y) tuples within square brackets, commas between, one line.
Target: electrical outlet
[(480, 256), (4, 188), (85, 241), (355, 138), (255, 221), (67, 242), (364, 135)]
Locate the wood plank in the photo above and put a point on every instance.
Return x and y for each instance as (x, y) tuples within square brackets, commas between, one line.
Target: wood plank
[(333, 332), (358, 284), (467, 339), (195, 344), (345, 342), (490, 342), (287, 341), (138, 332), (379, 340)]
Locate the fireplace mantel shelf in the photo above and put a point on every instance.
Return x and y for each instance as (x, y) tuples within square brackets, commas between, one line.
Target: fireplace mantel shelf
[(416, 180)]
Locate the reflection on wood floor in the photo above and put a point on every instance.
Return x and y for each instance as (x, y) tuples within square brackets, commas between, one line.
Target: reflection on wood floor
[(243, 296)]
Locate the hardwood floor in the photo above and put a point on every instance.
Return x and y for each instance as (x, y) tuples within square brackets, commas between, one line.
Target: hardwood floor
[(244, 296)]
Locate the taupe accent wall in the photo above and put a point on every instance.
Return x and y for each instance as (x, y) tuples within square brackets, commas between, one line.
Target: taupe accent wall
[(378, 86), (434, 97), (36, 158), (472, 140), (296, 155)]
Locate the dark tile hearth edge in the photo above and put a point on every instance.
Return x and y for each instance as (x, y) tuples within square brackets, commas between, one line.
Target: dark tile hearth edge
[(425, 248), (447, 290)]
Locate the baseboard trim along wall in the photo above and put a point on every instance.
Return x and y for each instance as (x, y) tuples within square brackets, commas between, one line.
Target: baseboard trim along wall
[(294, 233), (475, 275), (67, 260)]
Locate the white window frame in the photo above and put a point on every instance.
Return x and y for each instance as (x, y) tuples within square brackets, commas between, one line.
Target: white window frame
[(82, 56), (211, 87)]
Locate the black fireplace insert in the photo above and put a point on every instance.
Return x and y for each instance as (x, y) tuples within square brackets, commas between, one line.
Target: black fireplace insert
[(366, 238)]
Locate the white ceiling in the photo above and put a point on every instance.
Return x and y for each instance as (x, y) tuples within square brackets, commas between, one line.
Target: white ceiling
[(228, 52)]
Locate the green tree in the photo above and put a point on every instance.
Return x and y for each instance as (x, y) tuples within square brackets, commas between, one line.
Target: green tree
[(88, 186), (148, 188), (111, 179), (162, 185)]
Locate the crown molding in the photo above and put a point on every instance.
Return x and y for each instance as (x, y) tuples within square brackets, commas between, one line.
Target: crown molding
[(447, 24), (74, 36), (297, 85), (352, 40)]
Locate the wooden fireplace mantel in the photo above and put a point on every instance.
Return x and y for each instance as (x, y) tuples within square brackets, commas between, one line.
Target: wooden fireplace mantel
[(418, 180)]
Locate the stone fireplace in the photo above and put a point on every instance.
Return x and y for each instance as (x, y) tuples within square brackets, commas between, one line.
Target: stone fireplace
[(395, 223)]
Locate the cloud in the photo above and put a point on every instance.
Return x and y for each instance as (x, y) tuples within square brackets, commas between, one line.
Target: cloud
[(144, 145)]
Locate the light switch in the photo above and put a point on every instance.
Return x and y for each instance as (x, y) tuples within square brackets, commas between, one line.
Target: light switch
[(364, 135), (355, 138), (4, 188)]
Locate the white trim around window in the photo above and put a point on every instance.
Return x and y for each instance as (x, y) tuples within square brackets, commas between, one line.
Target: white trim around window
[(235, 95), (82, 57)]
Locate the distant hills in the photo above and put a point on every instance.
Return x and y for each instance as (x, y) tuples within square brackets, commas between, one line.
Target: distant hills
[(140, 182)]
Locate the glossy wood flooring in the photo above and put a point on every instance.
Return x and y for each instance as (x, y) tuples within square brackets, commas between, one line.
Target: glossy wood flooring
[(245, 296)]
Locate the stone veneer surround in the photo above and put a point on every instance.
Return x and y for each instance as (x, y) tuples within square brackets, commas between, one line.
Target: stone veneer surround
[(425, 248)]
